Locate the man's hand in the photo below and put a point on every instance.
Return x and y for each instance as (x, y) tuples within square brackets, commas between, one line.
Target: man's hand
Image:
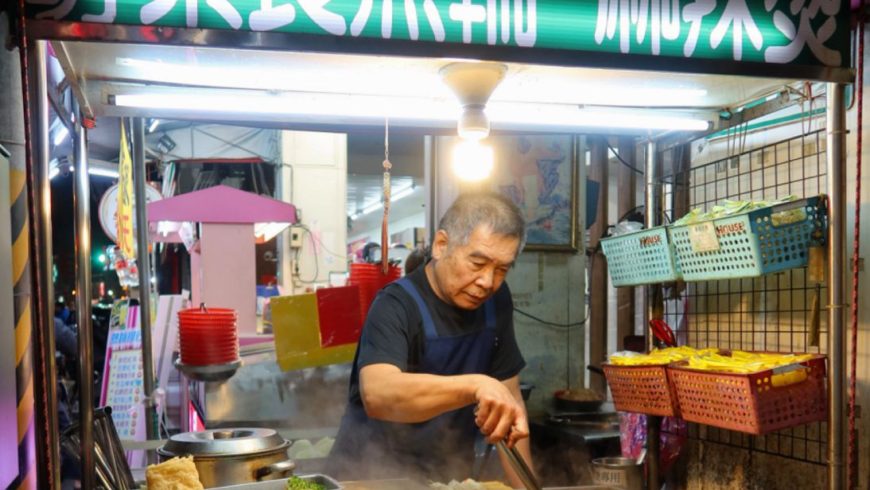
[(498, 414)]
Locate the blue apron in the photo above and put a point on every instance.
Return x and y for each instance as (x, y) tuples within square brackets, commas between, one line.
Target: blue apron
[(439, 449)]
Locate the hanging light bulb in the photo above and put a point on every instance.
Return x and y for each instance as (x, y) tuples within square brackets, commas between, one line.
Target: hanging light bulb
[(472, 161), (473, 83)]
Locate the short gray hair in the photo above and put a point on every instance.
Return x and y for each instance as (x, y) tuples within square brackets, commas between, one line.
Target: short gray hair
[(492, 210)]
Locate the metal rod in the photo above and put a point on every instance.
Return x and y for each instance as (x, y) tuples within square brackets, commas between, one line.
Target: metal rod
[(43, 259), (836, 162), (626, 191), (598, 298), (430, 178), (82, 199), (654, 310), (142, 257), (519, 465), (652, 217)]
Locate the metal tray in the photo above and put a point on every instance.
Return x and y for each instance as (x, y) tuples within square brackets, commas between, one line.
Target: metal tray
[(281, 484)]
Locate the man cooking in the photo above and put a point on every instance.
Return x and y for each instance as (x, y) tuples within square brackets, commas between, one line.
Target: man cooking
[(437, 361)]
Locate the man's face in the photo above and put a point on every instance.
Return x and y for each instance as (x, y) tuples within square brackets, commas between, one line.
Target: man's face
[(467, 275)]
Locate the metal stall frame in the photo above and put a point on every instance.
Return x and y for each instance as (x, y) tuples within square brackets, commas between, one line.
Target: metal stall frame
[(836, 168), (733, 172), (66, 30)]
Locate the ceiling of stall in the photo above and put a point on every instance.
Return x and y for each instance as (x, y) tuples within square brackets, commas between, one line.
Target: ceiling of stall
[(179, 66), (102, 69)]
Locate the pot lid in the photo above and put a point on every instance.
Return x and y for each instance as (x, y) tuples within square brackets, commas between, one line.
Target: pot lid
[(224, 442)]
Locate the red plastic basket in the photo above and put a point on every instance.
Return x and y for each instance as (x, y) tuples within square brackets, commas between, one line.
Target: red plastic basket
[(642, 389), (749, 402), (370, 280)]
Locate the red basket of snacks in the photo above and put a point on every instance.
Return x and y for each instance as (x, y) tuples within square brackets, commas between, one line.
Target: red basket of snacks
[(756, 403), (642, 389)]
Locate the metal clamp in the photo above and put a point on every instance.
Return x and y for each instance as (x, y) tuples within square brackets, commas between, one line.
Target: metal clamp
[(837, 307)]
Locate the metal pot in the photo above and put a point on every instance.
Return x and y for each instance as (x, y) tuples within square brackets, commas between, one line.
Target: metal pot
[(565, 402), (232, 456)]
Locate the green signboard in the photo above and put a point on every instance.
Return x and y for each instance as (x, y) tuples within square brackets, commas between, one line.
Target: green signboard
[(804, 32)]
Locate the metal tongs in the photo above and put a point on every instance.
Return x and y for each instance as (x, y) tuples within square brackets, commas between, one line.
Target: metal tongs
[(519, 465)]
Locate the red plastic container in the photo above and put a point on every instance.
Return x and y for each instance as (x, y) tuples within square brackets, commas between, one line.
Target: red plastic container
[(750, 402), (207, 336), (370, 280), (642, 389)]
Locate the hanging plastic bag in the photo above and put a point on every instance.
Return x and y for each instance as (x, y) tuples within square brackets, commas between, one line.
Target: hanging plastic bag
[(632, 429)]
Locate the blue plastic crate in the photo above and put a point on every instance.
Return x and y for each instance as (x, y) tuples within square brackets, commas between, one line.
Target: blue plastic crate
[(641, 257), (750, 244)]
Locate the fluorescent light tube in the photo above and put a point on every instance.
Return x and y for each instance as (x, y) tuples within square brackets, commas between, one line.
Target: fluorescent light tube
[(103, 172), (371, 208), (391, 79), (99, 172), (362, 106), (60, 135), (407, 191), (153, 126), (573, 116), (371, 107)]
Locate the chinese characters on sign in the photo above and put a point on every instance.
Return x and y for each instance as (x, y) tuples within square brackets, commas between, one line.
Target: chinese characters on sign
[(125, 198), (810, 32), (731, 20)]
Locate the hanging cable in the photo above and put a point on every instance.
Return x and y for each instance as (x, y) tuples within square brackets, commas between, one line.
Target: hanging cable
[(296, 273), (852, 456), (547, 323), (632, 167)]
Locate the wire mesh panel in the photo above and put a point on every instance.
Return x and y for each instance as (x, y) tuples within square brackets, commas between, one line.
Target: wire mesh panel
[(767, 313)]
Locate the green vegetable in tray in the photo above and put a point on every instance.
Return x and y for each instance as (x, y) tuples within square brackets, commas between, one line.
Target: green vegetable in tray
[(296, 483), (730, 208)]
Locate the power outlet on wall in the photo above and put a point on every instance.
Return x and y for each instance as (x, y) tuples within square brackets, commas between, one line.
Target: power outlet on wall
[(296, 234)]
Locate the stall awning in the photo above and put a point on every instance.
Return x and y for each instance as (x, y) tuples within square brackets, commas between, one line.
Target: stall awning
[(780, 39)]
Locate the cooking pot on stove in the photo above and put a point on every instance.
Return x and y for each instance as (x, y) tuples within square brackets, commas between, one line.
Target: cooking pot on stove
[(232, 456), (578, 400)]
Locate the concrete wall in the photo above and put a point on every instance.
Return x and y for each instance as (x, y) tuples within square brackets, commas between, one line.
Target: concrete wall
[(714, 466), (548, 285), (317, 186)]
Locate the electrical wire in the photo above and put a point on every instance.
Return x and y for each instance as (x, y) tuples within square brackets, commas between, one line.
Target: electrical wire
[(319, 242), (549, 324), (316, 260), (630, 211), (632, 167), (852, 456)]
